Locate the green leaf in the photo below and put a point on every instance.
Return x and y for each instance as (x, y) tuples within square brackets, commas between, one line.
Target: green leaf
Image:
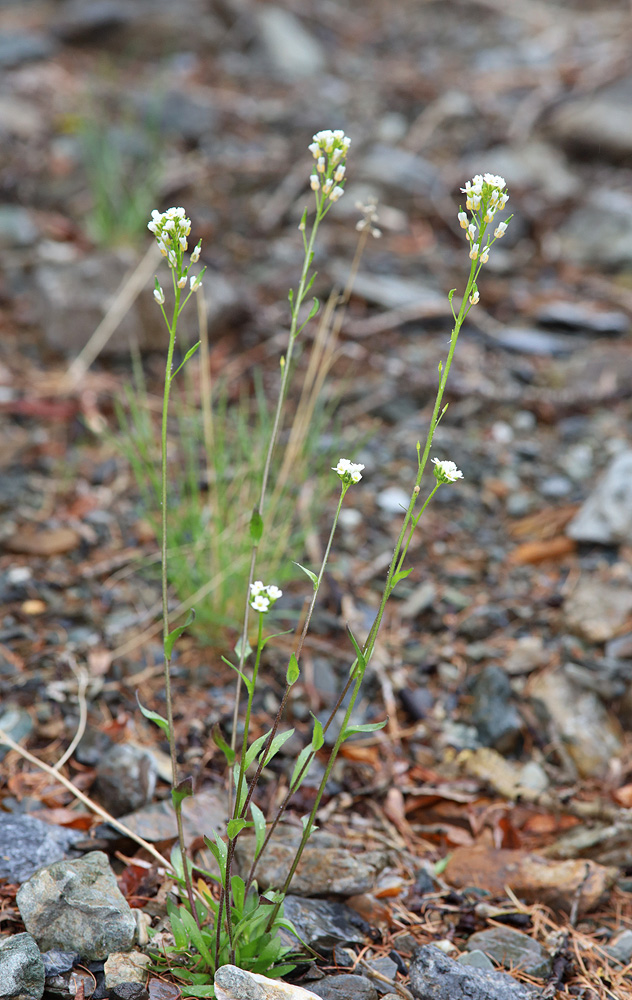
[(305, 823), (276, 745), (308, 573), (186, 357), (218, 849), (222, 745), (259, 821), (245, 679), (175, 634), (301, 760), (360, 657), (239, 892), (293, 670), (368, 727), (254, 749), (401, 575), (235, 826), (256, 527), (314, 309), (198, 991), (441, 865), (237, 648), (318, 737), (196, 935), (182, 791), (154, 716)]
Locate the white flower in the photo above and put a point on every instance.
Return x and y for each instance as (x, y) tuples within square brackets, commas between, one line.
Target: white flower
[(320, 164), (195, 256), (196, 283), (484, 256), (171, 257), (474, 251), (159, 296), (339, 172), (494, 180), (471, 231), (328, 185), (500, 230), (336, 193), (462, 217), (314, 182), (475, 202), (349, 472), (260, 603), (182, 282), (446, 472), (474, 297), (273, 592), (314, 149), (257, 588)]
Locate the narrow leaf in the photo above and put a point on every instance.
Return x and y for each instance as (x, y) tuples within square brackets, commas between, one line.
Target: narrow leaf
[(182, 791), (253, 749), (260, 827), (293, 670), (368, 727), (276, 745), (154, 717), (235, 826), (401, 575), (301, 761), (175, 634), (256, 527), (318, 737), (186, 357), (360, 657), (308, 573), (222, 745)]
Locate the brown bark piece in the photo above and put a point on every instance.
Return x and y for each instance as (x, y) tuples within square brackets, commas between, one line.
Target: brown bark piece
[(532, 878)]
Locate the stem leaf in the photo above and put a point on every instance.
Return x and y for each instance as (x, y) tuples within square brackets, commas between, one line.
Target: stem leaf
[(222, 745), (256, 527), (182, 791), (175, 634), (154, 717), (235, 826), (318, 737), (367, 727), (186, 357), (308, 573), (293, 670), (276, 745)]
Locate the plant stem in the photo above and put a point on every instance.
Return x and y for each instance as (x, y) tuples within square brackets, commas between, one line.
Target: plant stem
[(165, 592)]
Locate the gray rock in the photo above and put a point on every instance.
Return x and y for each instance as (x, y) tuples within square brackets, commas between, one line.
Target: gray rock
[(56, 962), (126, 778), (512, 949), (601, 122), (126, 967), (77, 905), (532, 165), (20, 47), (579, 316), (17, 228), (326, 867), (579, 718), (345, 987), (621, 948), (386, 967), (21, 968), (401, 169), (497, 720), (293, 53), (608, 677), (323, 924), (27, 843), (619, 648), (232, 983), (66, 985), (129, 991), (80, 21), (476, 958), (596, 609), (598, 232), (200, 813), (541, 343), (435, 976), (17, 723), (606, 516)]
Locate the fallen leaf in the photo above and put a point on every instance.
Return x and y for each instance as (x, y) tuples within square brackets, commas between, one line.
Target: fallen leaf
[(623, 796)]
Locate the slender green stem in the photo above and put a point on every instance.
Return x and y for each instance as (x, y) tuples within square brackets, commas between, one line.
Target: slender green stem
[(251, 693), (165, 589)]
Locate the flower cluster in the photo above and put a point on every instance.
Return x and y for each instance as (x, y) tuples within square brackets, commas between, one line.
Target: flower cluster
[(263, 597), (171, 229), (446, 472), (484, 196), (369, 212), (329, 149), (349, 472)]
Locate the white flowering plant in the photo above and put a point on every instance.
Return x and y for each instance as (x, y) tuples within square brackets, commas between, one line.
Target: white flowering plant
[(231, 926)]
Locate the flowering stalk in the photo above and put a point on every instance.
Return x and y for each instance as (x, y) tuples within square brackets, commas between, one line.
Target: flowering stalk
[(485, 195), (329, 149), (171, 229)]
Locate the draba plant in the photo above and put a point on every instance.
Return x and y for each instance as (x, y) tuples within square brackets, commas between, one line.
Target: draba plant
[(221, 918)]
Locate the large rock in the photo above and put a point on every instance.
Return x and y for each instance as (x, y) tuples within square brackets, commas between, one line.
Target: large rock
[(606, 516), (232, 983), (326, 867), (435, 976), (578, 717), (126, 778), (596, 609), (21, 969), (322, 924), (26, 844), (77, 906), (600, 122), (513, 949)]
